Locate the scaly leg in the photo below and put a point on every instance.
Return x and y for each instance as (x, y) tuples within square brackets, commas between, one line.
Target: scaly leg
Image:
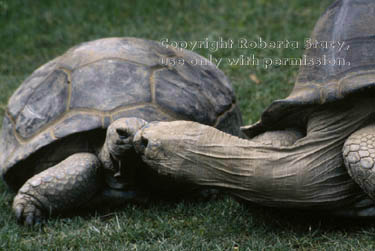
[(359, 157), (65, 186)]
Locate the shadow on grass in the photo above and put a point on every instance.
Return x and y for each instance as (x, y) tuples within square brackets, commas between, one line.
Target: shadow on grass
[(302, 221), (243, 215)]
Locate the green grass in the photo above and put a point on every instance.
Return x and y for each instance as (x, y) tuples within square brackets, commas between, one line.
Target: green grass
[(34, 32)]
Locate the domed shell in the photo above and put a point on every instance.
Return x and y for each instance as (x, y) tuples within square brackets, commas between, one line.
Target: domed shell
[(97, 82), (342, 64)]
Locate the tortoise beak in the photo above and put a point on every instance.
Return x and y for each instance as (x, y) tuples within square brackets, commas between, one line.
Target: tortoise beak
[(119, 172)]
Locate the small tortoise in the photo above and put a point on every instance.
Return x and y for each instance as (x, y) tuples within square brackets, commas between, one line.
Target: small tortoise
[(55, 149), (313, 150)]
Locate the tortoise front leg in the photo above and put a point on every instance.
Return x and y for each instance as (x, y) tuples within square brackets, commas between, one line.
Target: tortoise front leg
[(359, 157), (65, 186)]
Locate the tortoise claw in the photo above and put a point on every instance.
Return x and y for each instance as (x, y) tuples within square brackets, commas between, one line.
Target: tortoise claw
[(29, 221), (18, 211), (33, 217), (26, 210)]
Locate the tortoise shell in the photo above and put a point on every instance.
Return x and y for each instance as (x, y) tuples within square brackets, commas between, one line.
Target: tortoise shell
[(342, 72), (100, 81)]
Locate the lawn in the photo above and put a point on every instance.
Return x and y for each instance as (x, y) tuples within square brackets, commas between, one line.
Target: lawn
[(34, 32)]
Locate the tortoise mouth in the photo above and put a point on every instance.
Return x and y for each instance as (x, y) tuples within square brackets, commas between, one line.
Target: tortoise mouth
[(117, 183)]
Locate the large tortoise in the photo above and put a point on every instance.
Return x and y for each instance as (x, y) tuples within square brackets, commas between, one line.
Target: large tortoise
[(313, 150), (54, 139)]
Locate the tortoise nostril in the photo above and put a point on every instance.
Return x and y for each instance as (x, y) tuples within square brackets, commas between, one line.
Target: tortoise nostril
[(144, 142), (140, 144), (122, 133)]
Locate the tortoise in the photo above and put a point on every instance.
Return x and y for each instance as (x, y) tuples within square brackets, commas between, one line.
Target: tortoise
[(314, 150), (67, 125)]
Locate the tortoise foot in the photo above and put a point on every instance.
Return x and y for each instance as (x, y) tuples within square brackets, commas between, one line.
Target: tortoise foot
[(68, 185), (359, 158), (28, 210)]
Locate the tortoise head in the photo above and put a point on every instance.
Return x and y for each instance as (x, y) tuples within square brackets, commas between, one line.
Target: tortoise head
[(118, 154)]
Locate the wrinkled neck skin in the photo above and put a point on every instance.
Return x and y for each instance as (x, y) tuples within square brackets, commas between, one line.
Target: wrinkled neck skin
[(277, 168)]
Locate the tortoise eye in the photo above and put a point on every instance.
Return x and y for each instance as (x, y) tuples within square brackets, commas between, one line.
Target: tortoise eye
[(123, 133)]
